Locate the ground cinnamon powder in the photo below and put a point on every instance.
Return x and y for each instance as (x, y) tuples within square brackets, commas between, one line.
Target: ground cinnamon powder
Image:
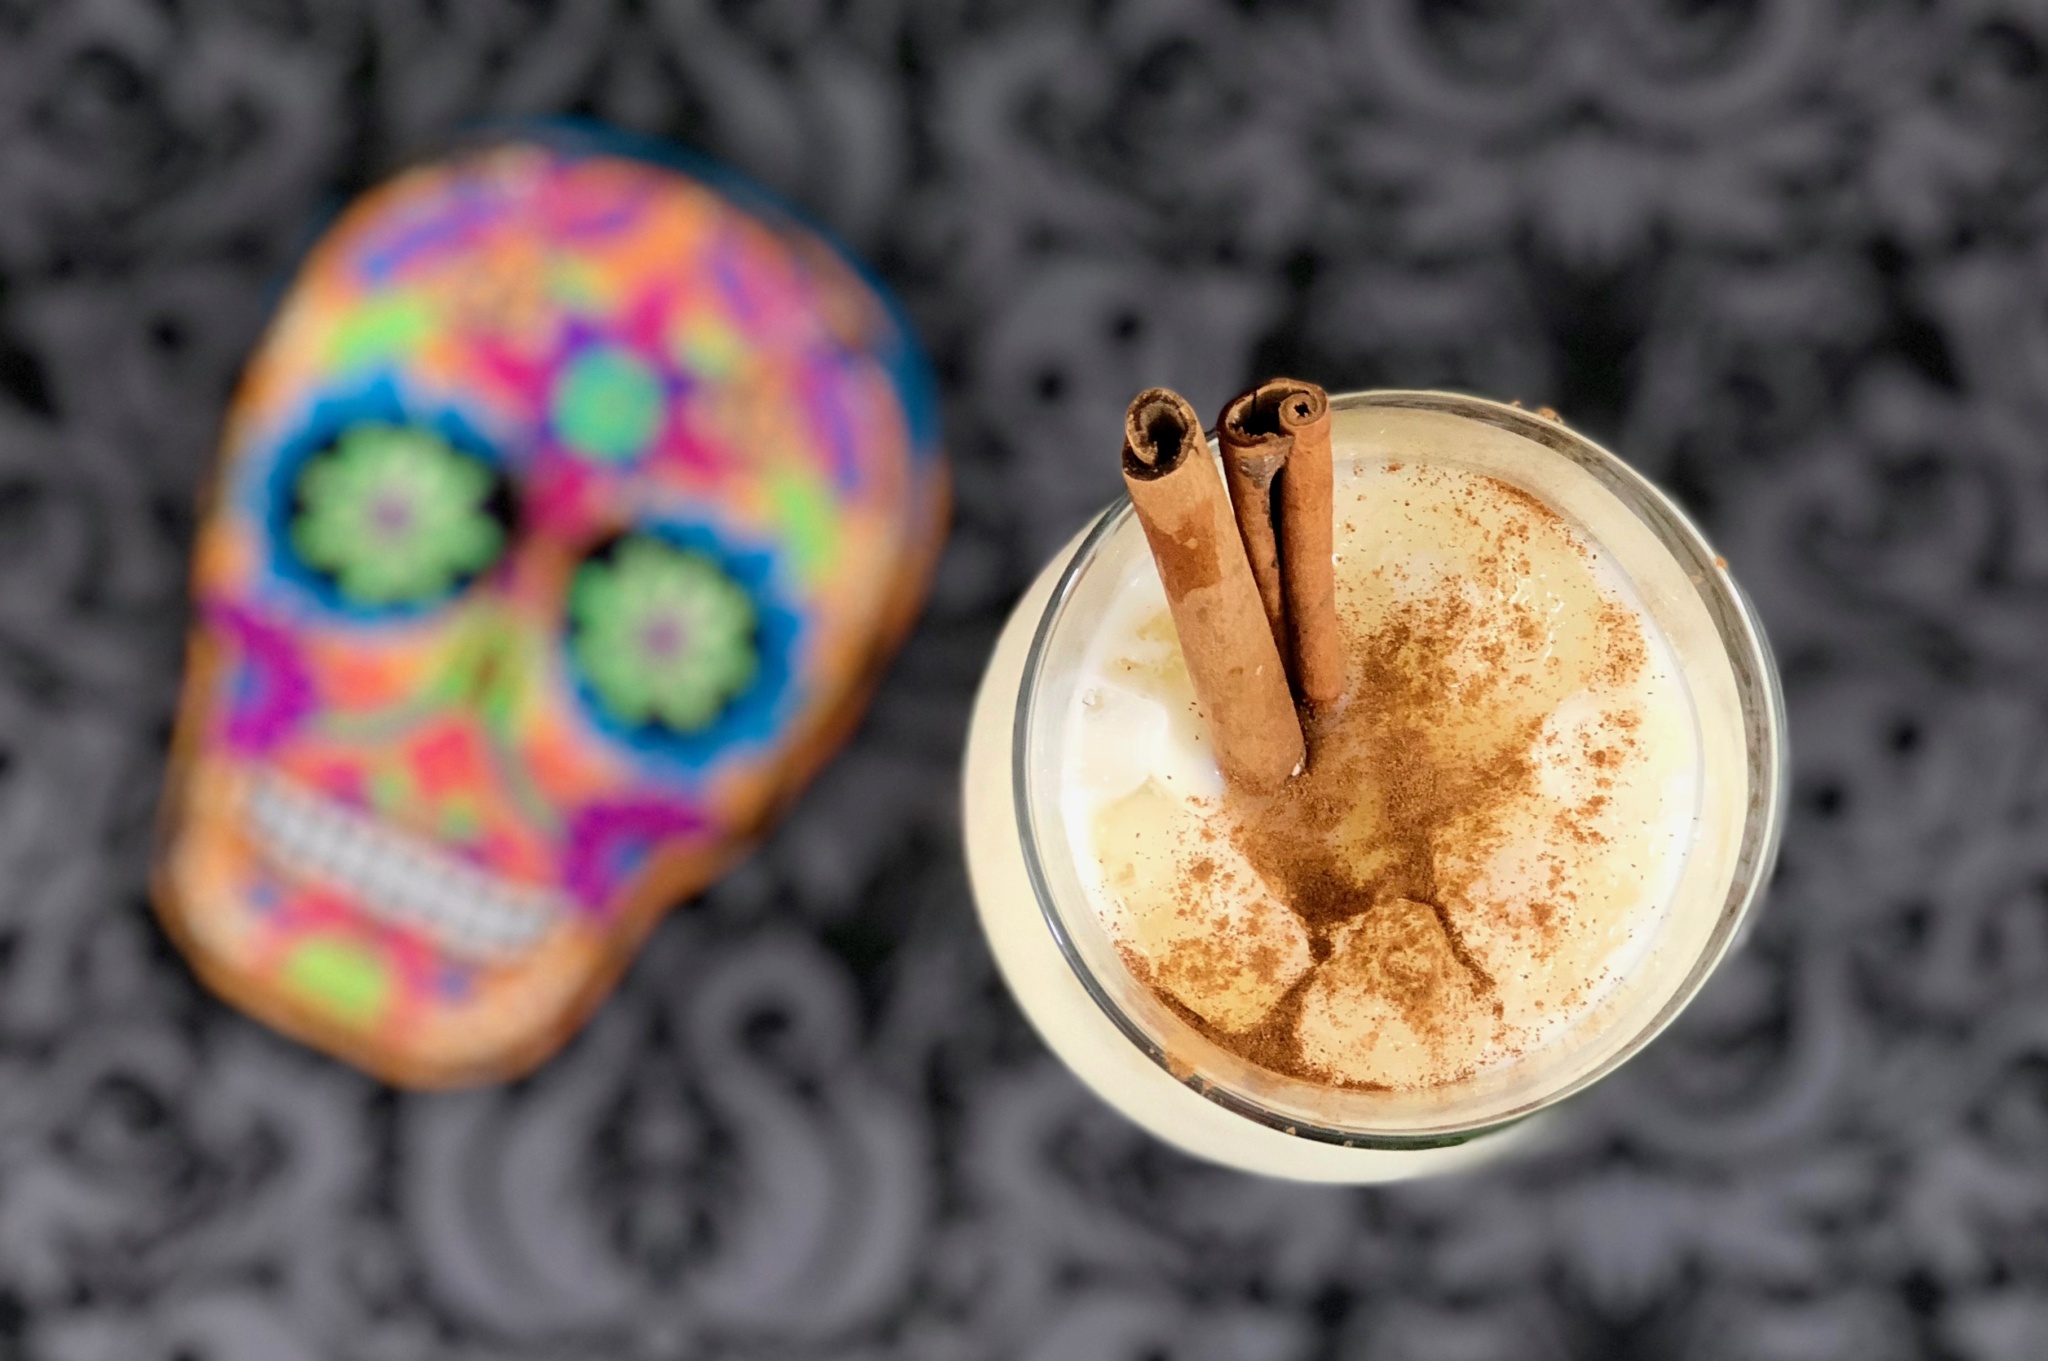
[(1409, 786)]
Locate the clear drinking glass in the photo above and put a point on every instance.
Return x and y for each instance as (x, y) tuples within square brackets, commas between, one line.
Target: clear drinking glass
[(1143, 1058)]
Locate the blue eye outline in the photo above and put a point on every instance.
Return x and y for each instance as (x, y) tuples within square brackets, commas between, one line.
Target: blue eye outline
[(757, 716), (329, 418)]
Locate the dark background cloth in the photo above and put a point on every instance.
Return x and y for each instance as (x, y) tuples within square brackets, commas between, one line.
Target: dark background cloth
[(1788, 256)]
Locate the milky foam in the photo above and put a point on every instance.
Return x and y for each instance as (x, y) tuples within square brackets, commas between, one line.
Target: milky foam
[(1540, 661)]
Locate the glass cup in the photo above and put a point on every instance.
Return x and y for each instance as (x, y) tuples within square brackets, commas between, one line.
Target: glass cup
[(1138, 1055)]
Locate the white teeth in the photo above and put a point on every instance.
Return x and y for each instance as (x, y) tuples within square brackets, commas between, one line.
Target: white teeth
[(395, 875)]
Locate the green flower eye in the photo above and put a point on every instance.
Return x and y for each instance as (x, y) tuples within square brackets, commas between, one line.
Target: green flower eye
[(661, 634), (396, 516)]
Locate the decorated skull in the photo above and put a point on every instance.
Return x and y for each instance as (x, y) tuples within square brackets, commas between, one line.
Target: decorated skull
[(563, 519)]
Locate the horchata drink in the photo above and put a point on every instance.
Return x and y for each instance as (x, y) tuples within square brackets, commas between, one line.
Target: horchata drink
[(1325, 824)]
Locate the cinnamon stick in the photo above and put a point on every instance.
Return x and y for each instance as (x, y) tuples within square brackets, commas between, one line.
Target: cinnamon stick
[(1308, 575), (1224, 635), (1254, 453)]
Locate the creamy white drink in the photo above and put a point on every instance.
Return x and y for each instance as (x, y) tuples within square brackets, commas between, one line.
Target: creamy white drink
[(1520, 845), (1492, 827)]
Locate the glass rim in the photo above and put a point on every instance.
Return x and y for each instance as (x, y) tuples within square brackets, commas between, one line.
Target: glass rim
[(1763, 721)]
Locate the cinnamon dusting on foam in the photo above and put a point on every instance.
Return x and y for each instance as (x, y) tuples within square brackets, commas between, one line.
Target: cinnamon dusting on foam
[(1479, 827)]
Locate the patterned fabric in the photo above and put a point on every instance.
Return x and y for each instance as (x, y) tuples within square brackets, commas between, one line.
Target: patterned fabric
[(1788, 256)]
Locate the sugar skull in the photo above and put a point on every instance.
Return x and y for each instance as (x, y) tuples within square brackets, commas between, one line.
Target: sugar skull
[(563, 518)]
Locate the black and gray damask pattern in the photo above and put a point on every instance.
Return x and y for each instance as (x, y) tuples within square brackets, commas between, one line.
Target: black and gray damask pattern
[(1791, 256)]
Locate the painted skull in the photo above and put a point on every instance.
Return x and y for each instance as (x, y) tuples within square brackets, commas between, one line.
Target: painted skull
[(564, 516)]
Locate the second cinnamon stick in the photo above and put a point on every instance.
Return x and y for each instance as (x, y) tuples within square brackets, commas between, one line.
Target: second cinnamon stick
[(1255, 452), (1308, 571)]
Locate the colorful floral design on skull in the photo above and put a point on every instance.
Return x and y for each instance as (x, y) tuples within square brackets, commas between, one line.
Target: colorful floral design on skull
[(564, 516), (395, 515), (662, 635)]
